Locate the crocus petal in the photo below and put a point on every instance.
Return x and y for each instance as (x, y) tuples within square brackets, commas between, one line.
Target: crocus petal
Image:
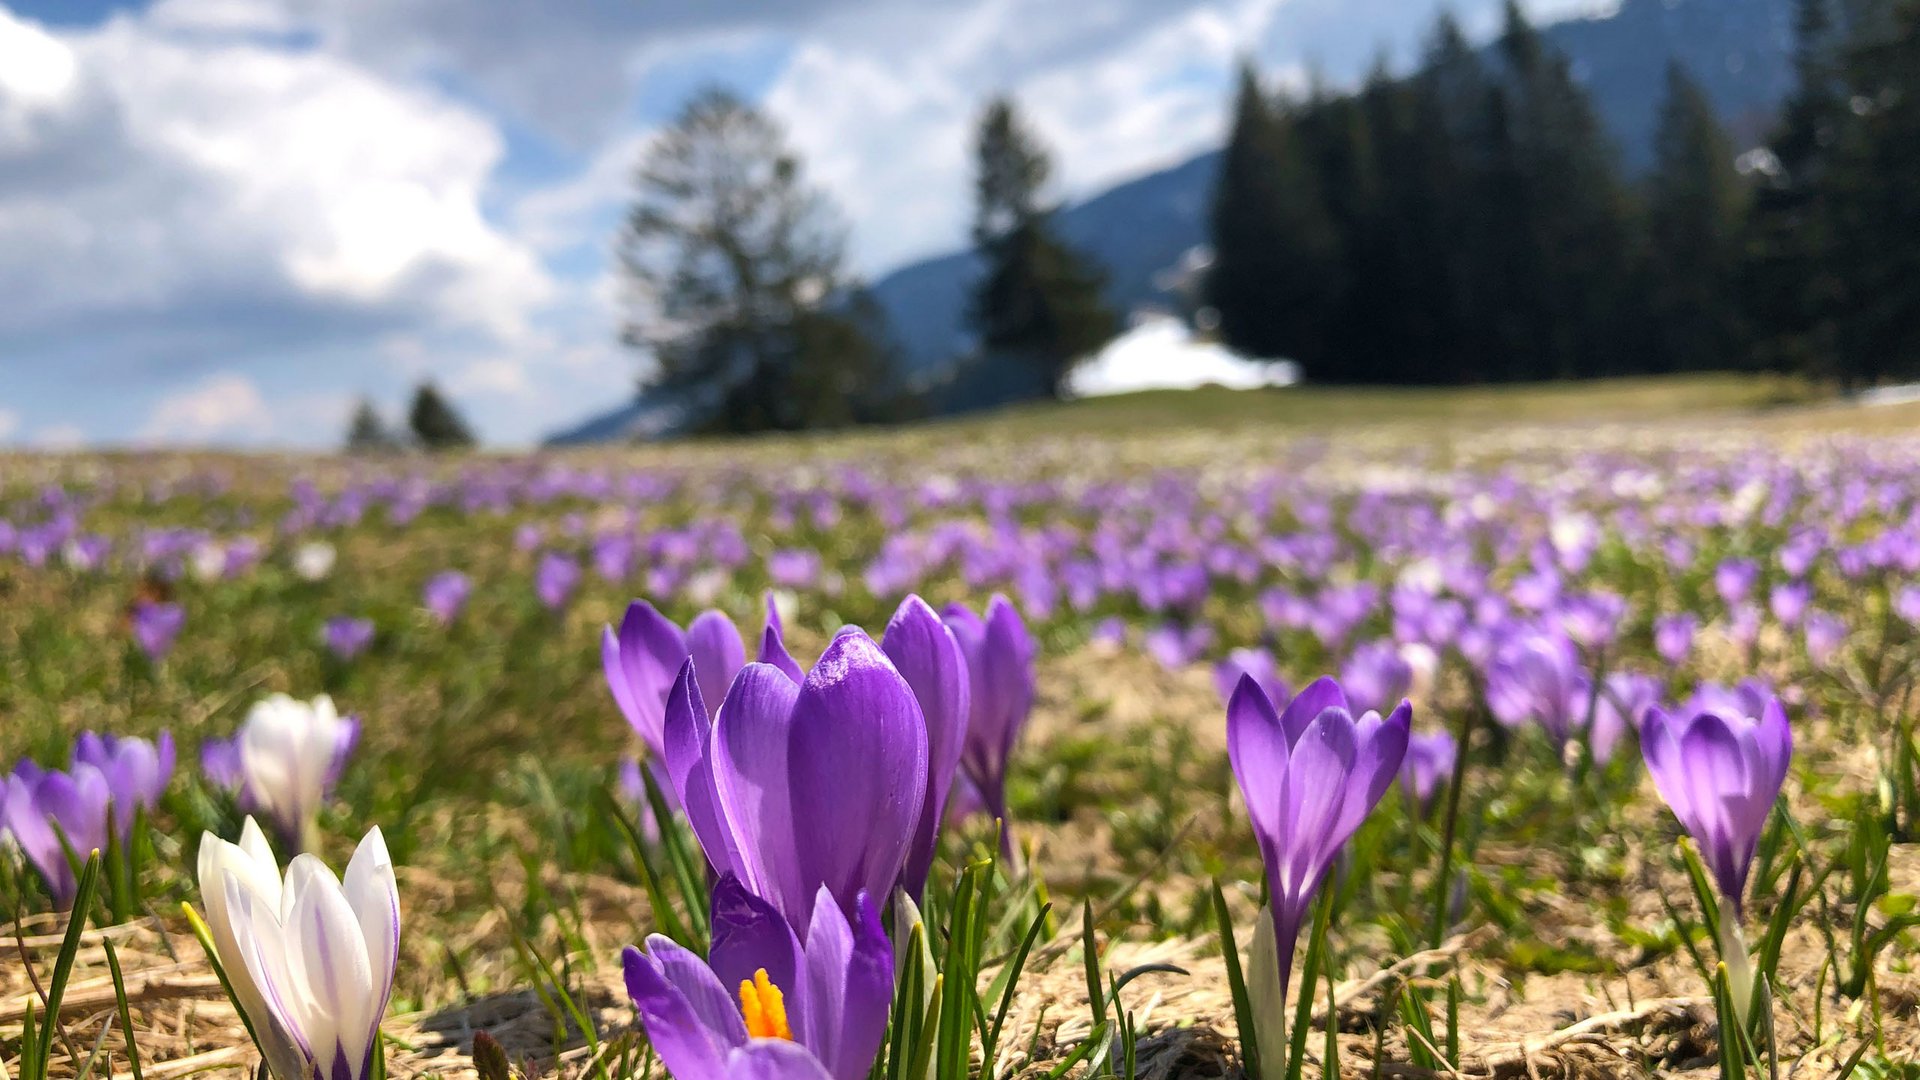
[(692, 1041), (1660, 745), (929, 659), (750, 748), (750, 934), (1312, 805), (714, 644), (767, 1059), (850, 985), (1258, 749), (1717, 768), (1319, 696), (857, 758), (647, 652), (689, 770), (370, 888), (773, 651), (328, 956), (1382, 747)]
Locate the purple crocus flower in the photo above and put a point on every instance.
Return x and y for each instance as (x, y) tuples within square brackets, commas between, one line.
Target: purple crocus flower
[(1826, 633), (1429, 764), (643, 658), (764, 1005), (1309, 775), (1673, 636), (1537, 678), (928, 657), (1625, 697), (445, 595), (41, 807), (1720, 773), (792, 786), (155, 624), (1906, 604), (1375, 676), (137, 771), (1257, 663), (1735, 579), (347, 637), (555, 579), (1000, 655), (1789, 601)]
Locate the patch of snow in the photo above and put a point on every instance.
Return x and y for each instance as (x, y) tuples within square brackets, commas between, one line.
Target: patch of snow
[(1890, 395), (1161, 353)]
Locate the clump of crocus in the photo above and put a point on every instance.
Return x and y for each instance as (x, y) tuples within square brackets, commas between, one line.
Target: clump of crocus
[(1673, 636), (136, 770), (1000, 655), (555, 580), (766, 1005), (1310, 776), (284, 762), (1537, 678), (49, 813), (155, 625), (792, 786), (1720, 772), (309, 958), (346, 637), (445, 595)]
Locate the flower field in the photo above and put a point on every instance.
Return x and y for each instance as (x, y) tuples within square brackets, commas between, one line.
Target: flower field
[(1451, 749)]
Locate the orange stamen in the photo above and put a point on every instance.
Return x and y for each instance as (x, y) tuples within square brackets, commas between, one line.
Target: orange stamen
[(764, 1007)]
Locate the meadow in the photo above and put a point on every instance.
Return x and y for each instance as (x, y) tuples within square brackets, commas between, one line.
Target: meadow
[(1647, 809)]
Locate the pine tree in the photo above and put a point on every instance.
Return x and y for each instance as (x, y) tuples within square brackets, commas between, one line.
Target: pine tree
[(1570, 220), (367, 433), (435, 424), (1696, 202), (736, 280), (1874, 195), (1039, 303), (1794, 296), (1277, 264)]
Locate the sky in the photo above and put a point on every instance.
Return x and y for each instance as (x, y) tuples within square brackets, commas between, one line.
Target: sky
[(223, 221)]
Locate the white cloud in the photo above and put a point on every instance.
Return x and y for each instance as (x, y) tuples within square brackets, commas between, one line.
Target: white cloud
[(9, 423), (181, 172), (220, 408), (893, 143)]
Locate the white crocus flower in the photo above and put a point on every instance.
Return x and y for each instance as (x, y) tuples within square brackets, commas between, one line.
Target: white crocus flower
[(310, 958), (291, 754)]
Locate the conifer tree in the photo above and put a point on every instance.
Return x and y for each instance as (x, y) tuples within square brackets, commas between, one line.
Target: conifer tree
[(1276, 269), (1696, 203), (1039, 304), (736, 281), (435, 424), (366, 432)]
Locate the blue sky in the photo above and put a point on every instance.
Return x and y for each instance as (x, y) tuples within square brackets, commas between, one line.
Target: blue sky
[(221, 221)]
